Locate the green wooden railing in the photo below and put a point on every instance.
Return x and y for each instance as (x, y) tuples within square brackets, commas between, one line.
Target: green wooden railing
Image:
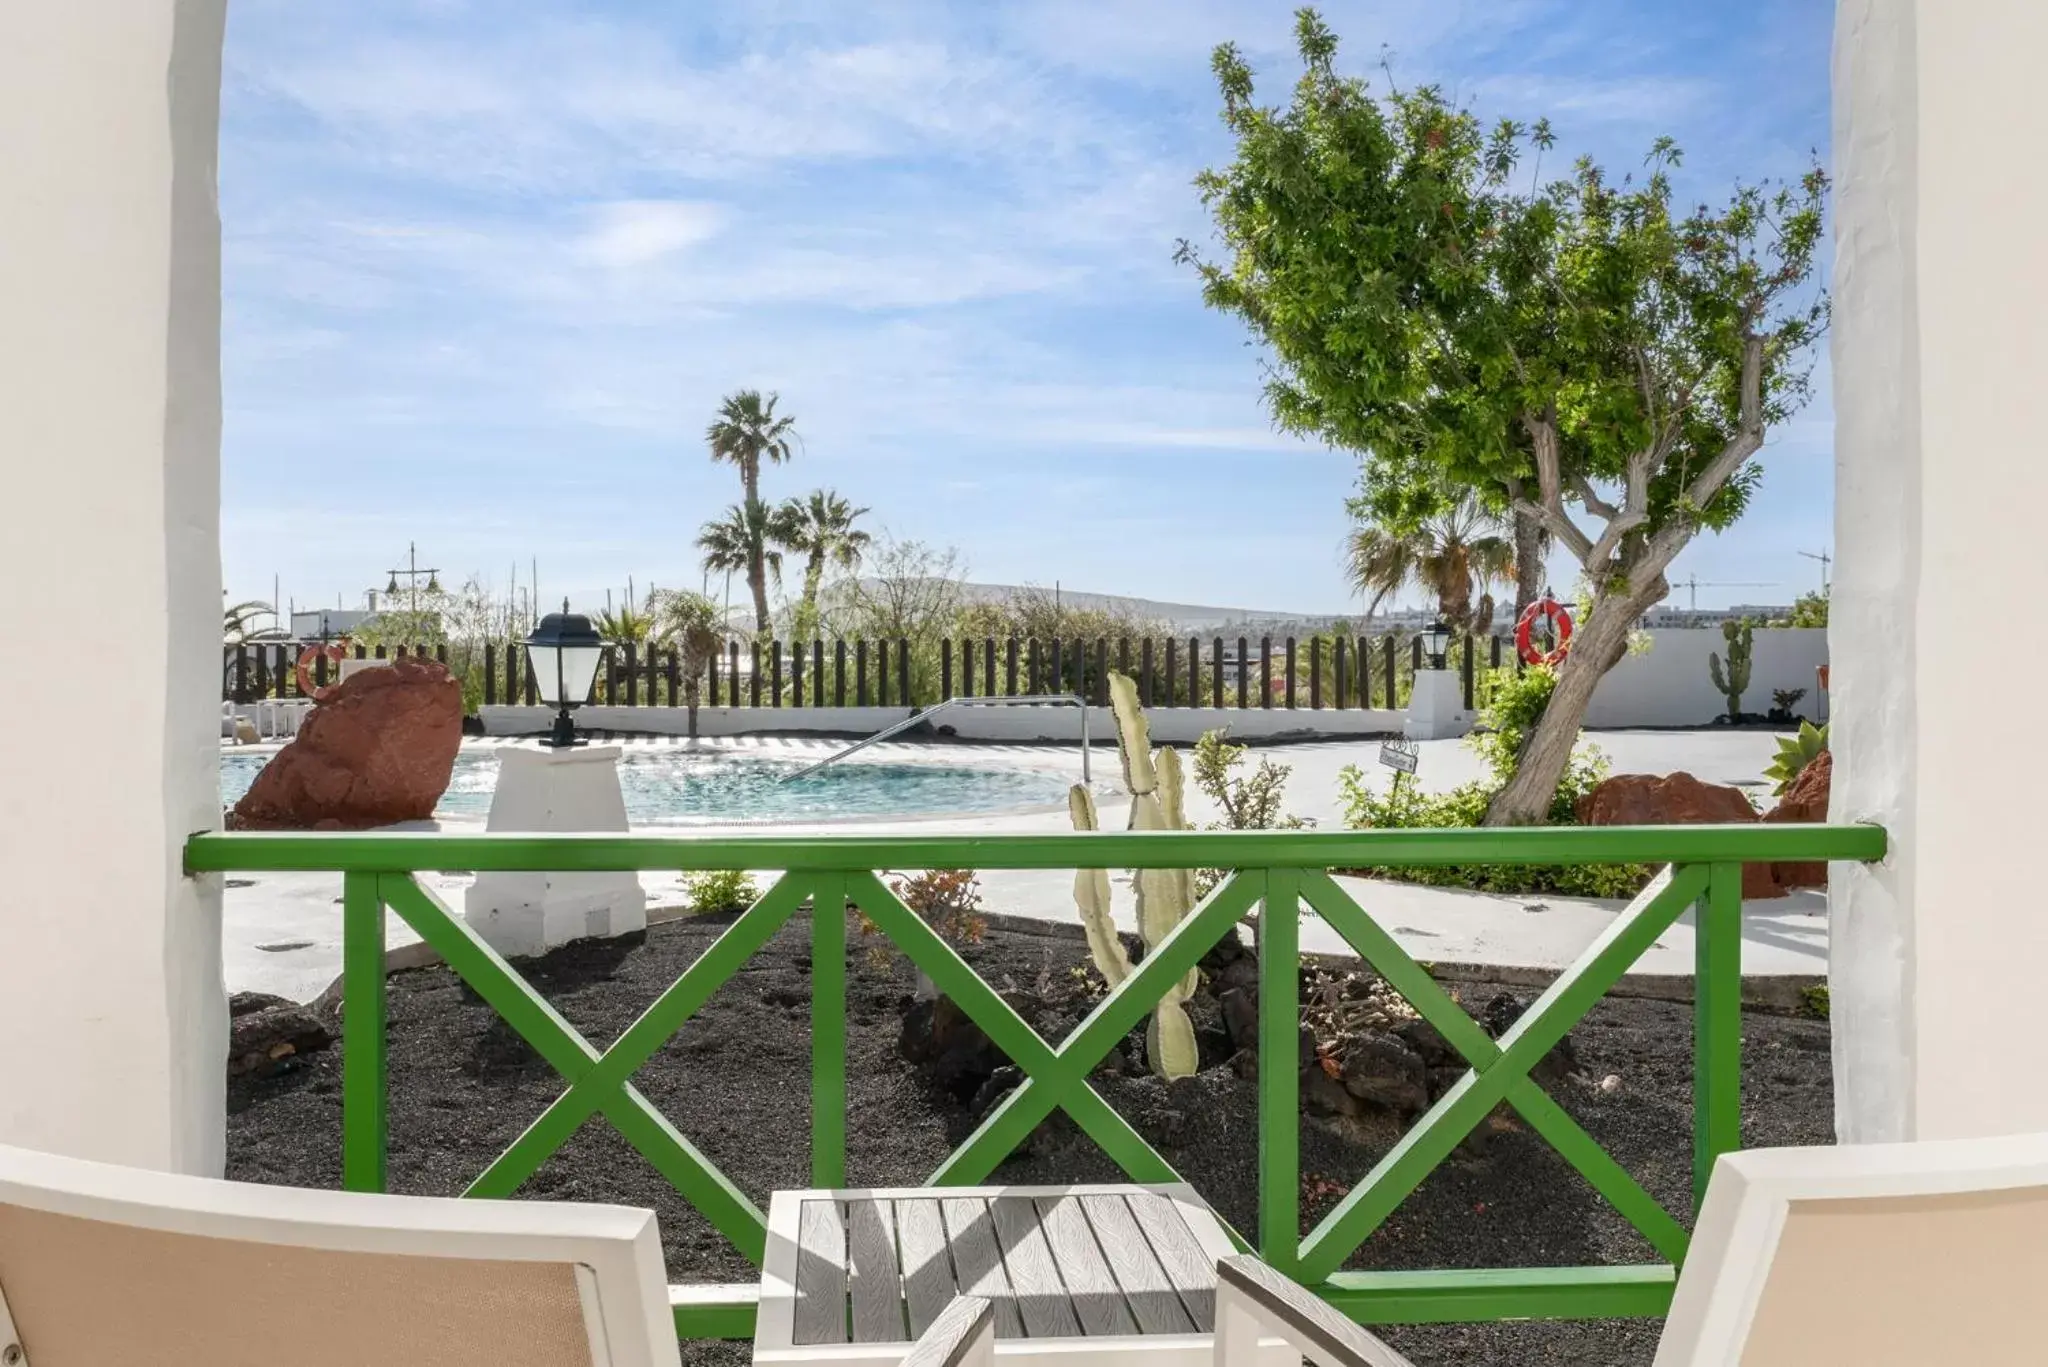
[(1278, 871)]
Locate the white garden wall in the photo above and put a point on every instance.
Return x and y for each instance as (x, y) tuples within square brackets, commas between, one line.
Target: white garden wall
[(1669, 684)]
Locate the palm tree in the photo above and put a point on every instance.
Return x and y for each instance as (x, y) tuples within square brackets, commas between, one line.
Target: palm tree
[(694, 627), (1452, 554), (624, 624), (746, 432), (819, 528), (238, 623), (744, 542)]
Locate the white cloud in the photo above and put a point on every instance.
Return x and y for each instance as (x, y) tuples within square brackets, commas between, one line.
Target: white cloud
[(636, 232)]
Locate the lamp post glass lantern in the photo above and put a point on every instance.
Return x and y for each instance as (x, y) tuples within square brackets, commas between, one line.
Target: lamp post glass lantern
[(563, 652), (1436, 637)]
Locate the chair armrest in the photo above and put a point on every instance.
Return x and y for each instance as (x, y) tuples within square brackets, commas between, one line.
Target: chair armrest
[(964, 1335), (1251, 1296)]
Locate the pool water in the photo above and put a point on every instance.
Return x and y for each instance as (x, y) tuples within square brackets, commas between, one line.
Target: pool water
[(680, 786)]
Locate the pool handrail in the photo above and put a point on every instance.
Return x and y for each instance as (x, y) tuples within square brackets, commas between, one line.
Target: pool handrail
[(927, 713)]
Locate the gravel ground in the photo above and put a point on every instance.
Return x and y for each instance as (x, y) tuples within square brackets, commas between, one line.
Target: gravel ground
[(735, 1080)]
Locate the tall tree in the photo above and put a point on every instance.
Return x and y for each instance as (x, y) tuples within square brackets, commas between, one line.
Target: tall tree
[(1574, 351), (744, 542), (746, 432), (1453, 554), (819, 527)]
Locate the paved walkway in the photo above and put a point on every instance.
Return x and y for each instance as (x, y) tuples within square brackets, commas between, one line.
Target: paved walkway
[(283, 931)]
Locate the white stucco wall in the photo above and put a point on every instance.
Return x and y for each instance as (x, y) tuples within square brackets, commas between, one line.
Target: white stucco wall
[(1938, 351), (112, 1021), (1670, 684)]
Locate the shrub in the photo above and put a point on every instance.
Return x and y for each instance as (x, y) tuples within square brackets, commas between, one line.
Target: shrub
[(1794, 754), (1249, 803), (947, 900), (1515, 704), (717, 892)]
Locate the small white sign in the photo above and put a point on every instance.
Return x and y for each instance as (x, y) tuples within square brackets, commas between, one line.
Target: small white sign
[(1399, 756)]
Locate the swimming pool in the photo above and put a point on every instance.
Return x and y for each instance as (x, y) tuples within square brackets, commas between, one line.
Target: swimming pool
[(679, 786)]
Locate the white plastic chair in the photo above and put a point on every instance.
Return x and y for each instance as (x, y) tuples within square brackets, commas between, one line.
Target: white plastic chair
[(110, 1265), (1874, 1255)]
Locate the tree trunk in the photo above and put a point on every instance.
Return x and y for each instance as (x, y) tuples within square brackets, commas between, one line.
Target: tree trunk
[(807, 611), (757, 581), (1530, 571), (1597, 645)]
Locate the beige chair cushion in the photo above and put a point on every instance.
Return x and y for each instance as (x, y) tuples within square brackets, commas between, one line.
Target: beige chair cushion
[(85, 1293)]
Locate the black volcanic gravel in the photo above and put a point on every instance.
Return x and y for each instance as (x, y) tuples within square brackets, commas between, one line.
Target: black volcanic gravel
[(735, 1080)]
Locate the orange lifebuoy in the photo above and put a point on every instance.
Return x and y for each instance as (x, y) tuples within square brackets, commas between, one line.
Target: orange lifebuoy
[(336, 651), (1549, 608)]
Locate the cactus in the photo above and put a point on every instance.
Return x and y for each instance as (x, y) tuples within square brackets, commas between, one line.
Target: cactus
[(1735, 678), (1164, 895)]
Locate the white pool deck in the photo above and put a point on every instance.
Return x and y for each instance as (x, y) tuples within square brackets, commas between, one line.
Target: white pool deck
[(282, 932)]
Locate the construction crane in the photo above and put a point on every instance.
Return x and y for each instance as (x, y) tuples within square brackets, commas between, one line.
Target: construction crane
[(1694, 584), (1825, 561)]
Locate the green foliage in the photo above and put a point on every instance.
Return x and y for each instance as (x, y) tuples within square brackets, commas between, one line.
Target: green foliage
[(1452, 555), (1516, 704), (1794, 754), (818, 527), (1583, 350), (694, 627), (721, 892), (1816, 1000), (1249, 803), (1809, 610), (947, 900), (1733, 680), (238, 622), (1783, 700)]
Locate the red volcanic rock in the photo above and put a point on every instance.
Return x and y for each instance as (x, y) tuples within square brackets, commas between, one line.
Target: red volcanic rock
[(1805, 800), (378, 749), (1675, 800)]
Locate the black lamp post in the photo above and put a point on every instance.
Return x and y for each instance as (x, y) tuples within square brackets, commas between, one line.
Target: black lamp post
[(1436, 637), (563, 653)]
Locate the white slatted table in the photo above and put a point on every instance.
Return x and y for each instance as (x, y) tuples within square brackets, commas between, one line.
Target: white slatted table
[(851, 1278)]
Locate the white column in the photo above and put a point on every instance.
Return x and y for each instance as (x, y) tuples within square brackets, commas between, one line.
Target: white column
[(112, 1020), (1940, 347)]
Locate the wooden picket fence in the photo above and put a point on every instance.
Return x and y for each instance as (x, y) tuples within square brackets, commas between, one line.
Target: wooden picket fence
[(1315, 672)]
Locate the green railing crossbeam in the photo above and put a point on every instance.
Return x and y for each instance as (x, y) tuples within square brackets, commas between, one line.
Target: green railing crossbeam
[(1467, 1295), (693, 1175), (1058, 1078), (1467, 1102), (532, 1017), (538, 1023), (641, 1040), (1479, 1050)]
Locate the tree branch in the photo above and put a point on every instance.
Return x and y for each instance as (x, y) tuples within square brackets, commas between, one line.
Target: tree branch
[(1549, 510), (1595, 504), (1747, 441), (1749, 430)]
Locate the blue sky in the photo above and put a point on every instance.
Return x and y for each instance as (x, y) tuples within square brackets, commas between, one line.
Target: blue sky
[(491, 263)]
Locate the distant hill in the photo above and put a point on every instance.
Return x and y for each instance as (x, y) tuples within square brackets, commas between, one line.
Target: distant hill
[(1178, 617)]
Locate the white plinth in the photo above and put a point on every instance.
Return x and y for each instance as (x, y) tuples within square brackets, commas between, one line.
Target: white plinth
[(555, 791), (1437, 708)]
